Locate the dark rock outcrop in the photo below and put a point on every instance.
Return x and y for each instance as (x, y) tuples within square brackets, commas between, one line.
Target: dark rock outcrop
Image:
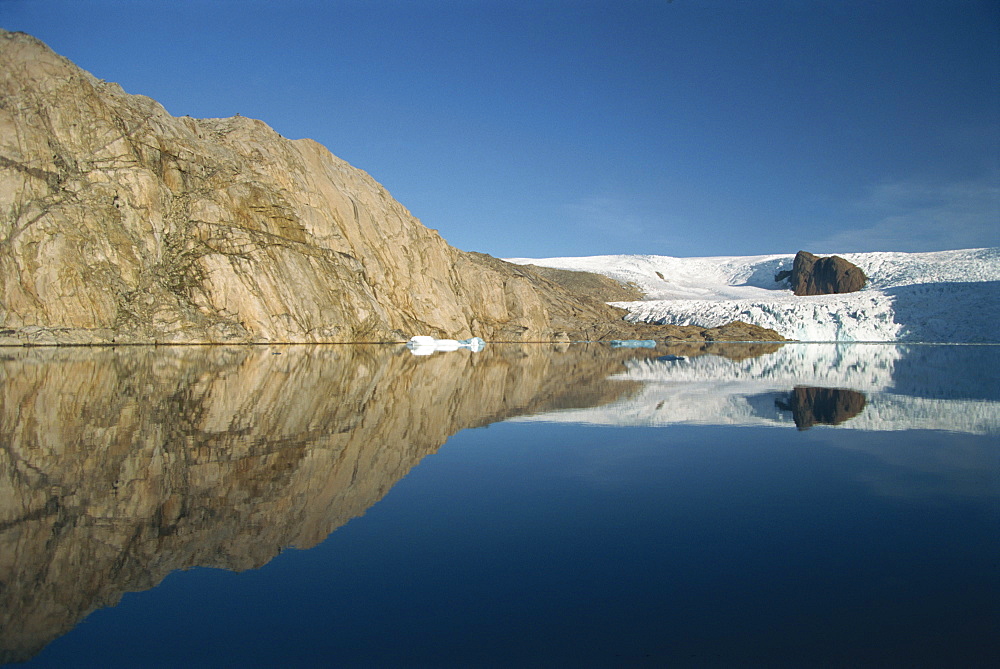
[(812, 275)]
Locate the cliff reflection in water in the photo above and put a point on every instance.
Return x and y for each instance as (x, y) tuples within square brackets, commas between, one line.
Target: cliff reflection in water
[(118, 466)]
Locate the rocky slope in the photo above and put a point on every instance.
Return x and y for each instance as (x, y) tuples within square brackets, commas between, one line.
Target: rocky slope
[(593, 285), (120, 222)]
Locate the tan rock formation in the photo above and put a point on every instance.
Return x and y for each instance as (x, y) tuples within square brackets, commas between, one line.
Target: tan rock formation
[(123, 222)]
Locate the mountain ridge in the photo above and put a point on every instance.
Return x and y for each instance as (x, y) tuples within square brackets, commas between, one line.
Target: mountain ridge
[(124, 224)]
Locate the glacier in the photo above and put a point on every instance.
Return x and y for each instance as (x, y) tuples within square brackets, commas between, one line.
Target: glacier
[(941, 296)]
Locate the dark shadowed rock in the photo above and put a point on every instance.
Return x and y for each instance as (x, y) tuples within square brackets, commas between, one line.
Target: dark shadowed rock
[(812, 275)]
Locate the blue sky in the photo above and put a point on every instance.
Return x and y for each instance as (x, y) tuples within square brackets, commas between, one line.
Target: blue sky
[(548, 128)]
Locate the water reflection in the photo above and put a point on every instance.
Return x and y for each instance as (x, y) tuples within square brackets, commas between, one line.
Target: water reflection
[(121, 465), (827, 406), (856, 386)]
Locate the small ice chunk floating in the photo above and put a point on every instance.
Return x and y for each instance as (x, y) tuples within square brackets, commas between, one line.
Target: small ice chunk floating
[(424, 345), (633, 343)]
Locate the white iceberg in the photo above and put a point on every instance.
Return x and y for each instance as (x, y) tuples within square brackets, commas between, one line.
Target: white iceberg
[(425, 345)]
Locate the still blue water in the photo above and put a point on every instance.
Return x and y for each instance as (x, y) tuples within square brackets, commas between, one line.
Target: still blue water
[(558, 536)]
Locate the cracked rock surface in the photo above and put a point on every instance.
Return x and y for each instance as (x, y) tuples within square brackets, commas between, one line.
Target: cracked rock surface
[(123, 223), (120, 223)]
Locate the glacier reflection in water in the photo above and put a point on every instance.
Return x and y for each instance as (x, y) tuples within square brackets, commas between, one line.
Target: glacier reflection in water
[(860, 386), (623, 507)]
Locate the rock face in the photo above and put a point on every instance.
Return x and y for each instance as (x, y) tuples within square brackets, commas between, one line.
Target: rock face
[(812, 275), (120, 222)]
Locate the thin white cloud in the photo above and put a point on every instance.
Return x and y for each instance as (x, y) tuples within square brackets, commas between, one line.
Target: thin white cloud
[(617, 219), (914, 217), (605, 214)]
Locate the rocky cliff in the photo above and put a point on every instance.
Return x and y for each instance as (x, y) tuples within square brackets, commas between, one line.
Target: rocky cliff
[(121, 223)]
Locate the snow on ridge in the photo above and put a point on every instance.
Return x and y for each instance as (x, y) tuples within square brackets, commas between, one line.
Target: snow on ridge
[(940, 296), (893, 270)]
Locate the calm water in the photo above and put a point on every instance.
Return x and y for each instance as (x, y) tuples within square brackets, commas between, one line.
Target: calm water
[(805, 505)]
